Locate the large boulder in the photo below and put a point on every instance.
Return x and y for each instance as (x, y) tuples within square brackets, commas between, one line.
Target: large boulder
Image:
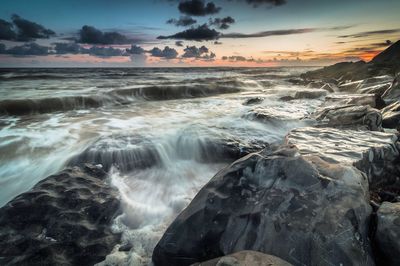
[(352, 99), (392, 94), (299, 208), (340, 71), (349, 116), (388, 232), (63, 220), (391, 116), (374, 153), (310, 94), (245, 258)]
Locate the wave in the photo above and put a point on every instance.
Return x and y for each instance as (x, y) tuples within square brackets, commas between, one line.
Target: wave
[(112, 98)]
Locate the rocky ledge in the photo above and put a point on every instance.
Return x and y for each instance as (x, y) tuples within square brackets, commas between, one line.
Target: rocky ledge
[(63, 220)]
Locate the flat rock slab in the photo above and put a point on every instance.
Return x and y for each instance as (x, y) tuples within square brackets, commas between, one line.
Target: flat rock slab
[(298, 208), (388, 232), (370, 151), (245, 258), (351, 99), (63, 220)]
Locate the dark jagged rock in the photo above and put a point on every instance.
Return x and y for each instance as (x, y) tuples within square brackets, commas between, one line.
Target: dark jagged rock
[(392, 94), (245, 258), (299, 208), (374, 153), (310, 94), (340, 71), (63, 220), (391, 116), (125, 152), (388, 232), (271, 116), (371, 100), (350, 116), (255, 100), (390, 57)]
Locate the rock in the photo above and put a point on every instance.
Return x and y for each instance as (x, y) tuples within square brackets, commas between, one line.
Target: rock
[(390, 57), (271, 116), (63, 220), (391, 116), (299, 208), (315, 84), (310, 94), (125, 152), (330, 87), (392, 94), (245, 258), (388, 232), (340, 71), (255, 100), (352, 99), (350, 116), (374, 153), (378, 90), (133, 152), (286, 98)]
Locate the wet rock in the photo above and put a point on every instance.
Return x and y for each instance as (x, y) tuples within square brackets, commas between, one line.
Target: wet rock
[(255, 100), (310, 94), (350, 116), (329, 87), (340, 71), (352, 99), (245, 258), (63, 220), (286, 98), (392, 94), (374, 153), (271, 116), (299, 208), (315, 84), (388, 232), (125, 152), (391, 116), (390, 57)]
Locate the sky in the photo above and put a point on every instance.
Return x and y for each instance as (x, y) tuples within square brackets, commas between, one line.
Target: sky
[(180, 33)]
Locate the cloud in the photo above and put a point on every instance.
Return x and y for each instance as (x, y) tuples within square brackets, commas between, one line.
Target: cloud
[(182, 21), (2, 48), (67, 48), (200, 33), (256, 3), (179, 43), (22, 30), (222, 23), (28, 49), (198, 8), (104, 51), (202, 53), (281, 32), (217, 43), (6, 31), (168, 53), (28, 30), (137, 50), (91, 35), (370, 33)]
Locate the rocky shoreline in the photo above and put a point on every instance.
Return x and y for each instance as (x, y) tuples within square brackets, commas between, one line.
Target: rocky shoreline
[(329, 194)]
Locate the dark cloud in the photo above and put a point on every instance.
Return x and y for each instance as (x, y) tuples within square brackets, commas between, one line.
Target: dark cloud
[(179, 43), (137, 50), (6, 31), (239, 58), (370, 33), (23, 30), (222, 23), (67, 48), (268, 33), (182, 21), (217, 43), (198, 8), (91, 35), (256, 3), (104, 51), (201, 33), (198, 53), (168, 53), (28, 30), (28, 49)]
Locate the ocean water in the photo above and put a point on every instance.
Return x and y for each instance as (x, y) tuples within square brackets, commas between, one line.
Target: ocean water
[(165, 119)]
